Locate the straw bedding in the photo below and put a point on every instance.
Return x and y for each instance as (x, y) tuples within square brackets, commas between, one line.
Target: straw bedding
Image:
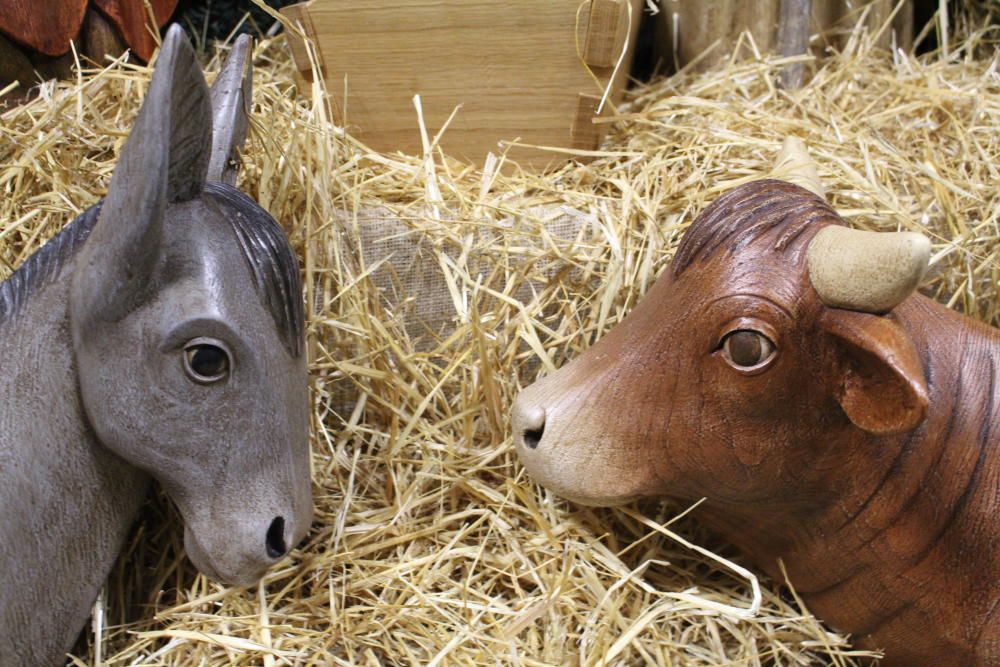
[(430, 544)]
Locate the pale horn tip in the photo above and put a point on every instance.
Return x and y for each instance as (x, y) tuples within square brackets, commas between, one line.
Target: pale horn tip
[(794, 165)]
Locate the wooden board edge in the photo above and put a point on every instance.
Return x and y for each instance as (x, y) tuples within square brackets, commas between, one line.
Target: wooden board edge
[(606, 32), (585, 134), (300, 39)]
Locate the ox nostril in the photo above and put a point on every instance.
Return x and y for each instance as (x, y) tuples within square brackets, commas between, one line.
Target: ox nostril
[(528, 422), (275, 541), (532, 436)]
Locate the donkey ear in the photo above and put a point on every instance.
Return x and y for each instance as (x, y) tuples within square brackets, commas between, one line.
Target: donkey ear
[(190, 122), (231, 96), (878, 377), (164, 160)]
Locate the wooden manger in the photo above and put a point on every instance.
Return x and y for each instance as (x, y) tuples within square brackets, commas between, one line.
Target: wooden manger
[(522, 75)]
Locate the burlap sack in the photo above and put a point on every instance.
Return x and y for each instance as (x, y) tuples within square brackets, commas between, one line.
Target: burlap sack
[(406, 262)]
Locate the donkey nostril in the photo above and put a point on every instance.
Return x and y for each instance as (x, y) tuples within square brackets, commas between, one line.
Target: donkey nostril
[(275, 541), (532, 436)]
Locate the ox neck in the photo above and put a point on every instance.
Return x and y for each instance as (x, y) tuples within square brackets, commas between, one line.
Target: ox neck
[(892, 484), (66, 502), (863, 557)]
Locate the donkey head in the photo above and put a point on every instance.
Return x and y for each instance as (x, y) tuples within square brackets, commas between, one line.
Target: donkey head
[(188, 325)]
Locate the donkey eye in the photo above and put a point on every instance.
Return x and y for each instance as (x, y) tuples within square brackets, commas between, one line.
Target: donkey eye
[(205, 361), (746, 348)]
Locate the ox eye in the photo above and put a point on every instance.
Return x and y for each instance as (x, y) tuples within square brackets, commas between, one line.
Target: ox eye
[(206, 361), (746, 348)]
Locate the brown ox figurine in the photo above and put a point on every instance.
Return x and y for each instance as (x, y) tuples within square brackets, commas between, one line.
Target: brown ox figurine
[(783, 369)]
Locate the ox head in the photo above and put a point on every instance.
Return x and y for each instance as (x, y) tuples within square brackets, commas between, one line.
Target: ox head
[(768, 342), (187, 322)]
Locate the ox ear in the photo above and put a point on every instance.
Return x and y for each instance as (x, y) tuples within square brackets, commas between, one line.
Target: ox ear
[(164, 160), (878, 378)]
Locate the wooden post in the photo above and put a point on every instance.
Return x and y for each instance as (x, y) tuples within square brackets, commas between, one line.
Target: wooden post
[(793, 39)]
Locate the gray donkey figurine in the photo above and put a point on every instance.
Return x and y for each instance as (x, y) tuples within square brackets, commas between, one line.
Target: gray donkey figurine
[(159, 336)]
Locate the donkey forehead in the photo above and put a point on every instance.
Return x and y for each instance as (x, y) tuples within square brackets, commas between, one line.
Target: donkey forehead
[(203, 263), (200, 245)]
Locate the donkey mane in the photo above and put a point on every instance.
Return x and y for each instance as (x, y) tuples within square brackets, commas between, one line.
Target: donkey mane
[(271, 261), (748, 212), (43, 267)]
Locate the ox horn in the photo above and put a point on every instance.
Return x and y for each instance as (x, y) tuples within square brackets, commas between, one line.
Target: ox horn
[(796, 166), (867, 271)]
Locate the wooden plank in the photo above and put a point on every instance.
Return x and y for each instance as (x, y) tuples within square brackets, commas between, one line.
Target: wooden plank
[(878, 14), (826, 19), (512, 68), (760, 19), (702, 32), (902, 24), (900, 28), (835, 19), (606, 32), (687, 29), (300, 17), (586, 135)]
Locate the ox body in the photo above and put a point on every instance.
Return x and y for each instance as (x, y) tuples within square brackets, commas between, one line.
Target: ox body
[(858, 443), (159, 336)]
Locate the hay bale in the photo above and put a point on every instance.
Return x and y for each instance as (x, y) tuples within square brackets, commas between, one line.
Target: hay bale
[(431, 546)]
